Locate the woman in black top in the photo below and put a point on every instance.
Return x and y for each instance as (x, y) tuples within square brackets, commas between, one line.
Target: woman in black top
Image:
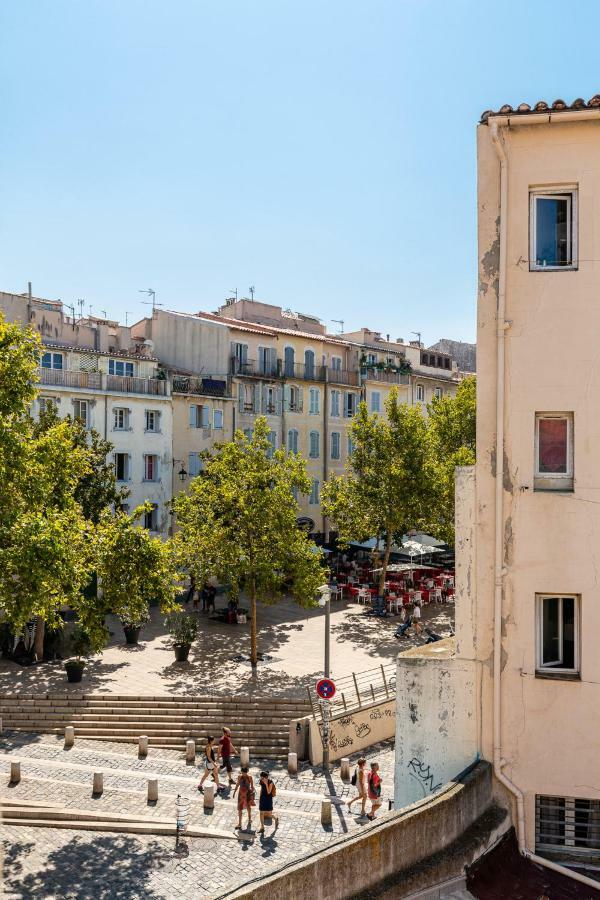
[(265, 801), (210, 764)]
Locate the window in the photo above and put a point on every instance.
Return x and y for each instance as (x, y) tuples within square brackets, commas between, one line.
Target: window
[(553, 230), (195, 464), (81, 411), (313, 446), (249, 398), (553, 452), (199, 416), (122, 466), (567, 823), (314, 401), (371, 359), (375, 401), (447, 363), (336, 363), (314, 493), (349, 405), (152, 420), (269, 401), (240, 356), (309, 363), (151, 518), (52, 360), (120, 367), (420, 393), (289, 361), (350, 446), (267, 361), (335, 402), (120, 419), (557, 634), (218, 419), (47, 404), (272, 439), (293, 440), (150, 467), (295, 403), (335, 445), (438, 393)]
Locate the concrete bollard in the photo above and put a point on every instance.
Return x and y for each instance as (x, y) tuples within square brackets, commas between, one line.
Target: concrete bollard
[(209, 796), (326, 819), (152, 790), (0, 724), (98, 783), (143, 745), (69, 736), (244, 756), (345, 769), (190, 751), (15, 772), (292, 763)]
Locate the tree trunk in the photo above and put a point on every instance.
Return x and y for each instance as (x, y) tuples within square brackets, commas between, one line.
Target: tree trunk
[(385, 562), (38, 640), (253, 630)]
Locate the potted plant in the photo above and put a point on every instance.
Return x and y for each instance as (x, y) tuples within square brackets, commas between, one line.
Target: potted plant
[(183, 629), (81, 646), (133, 624)]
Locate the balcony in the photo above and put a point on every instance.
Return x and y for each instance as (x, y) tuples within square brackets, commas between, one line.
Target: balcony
[(130, 384), (386, 377), (253, 368), (92, 381), (342, 376), (211, 387)]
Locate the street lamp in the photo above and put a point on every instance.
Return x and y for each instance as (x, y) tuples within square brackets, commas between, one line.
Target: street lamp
[(324, 600), (182, 473)]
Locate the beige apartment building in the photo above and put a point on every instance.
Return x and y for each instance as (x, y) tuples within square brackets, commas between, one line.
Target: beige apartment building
[(523, 689)]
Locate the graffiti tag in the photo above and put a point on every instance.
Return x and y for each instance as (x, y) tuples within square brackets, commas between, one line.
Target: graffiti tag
[(423, 775)]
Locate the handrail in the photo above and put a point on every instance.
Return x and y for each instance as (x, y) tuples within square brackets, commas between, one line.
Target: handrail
[(356, 690)]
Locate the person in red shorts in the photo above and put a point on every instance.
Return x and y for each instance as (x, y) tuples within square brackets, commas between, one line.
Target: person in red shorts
[(374, 789)]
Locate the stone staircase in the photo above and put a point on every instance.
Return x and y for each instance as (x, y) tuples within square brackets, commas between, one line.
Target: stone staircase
[(260, 724)]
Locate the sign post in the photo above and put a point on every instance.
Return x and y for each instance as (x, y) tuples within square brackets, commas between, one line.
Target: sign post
[(326, 692)]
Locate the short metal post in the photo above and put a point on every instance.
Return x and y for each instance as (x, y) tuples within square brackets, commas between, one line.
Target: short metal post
[(143, 745), (190, 751), (356, 688), (385, 684), (69, 736), (326, 819)]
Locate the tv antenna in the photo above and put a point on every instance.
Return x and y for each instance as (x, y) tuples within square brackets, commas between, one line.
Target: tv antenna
[(103, 311), (251, 289), (151, 302), (418, 335), (126, 317), (339, 322), (80, 304), (235, 294), (90, 311)]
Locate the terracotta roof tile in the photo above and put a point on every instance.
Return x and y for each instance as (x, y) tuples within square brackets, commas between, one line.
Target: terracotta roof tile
[(524, 109)]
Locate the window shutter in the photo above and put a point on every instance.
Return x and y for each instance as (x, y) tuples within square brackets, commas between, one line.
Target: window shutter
[(205, 416), (300, 399), (241, 397), (278, 401), (287, 397), (256, 397), (193, 415)]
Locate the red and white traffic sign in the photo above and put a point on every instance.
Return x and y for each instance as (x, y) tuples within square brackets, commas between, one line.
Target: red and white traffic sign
[(325, 688)]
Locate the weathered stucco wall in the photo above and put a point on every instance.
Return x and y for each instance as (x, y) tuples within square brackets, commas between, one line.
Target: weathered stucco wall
[(354, 731), (436, 724)]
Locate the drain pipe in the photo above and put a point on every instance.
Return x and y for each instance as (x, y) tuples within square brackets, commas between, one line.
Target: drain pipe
[(499, 570)]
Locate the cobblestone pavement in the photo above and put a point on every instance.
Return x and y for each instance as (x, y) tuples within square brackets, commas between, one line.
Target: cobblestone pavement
[(76, 865), (292, 636)]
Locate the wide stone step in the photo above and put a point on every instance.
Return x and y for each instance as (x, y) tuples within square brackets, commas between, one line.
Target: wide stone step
[(121, 827), (91, 716), (211, 715), (132, 700)]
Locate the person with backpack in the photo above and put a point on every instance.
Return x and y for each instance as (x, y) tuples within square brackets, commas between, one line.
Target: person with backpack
[(359, 781), (268, 792), (245, 785), (374, 790)]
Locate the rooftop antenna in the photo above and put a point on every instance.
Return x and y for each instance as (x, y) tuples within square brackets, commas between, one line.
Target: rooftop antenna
[(151, 302), (90, 311), (80, 304), (72, 308), (339, 322), (251, 289), (103, 311), (127, 314), (418, 335), (235, 294)]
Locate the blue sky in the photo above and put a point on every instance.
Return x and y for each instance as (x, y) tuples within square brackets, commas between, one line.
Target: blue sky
[(321, 151)]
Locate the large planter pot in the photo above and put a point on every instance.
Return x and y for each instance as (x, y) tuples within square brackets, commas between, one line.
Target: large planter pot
[(182, 651), (74, 669), (132, 633)]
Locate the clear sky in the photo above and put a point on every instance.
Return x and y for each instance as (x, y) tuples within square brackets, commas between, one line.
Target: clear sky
[(322, 150)]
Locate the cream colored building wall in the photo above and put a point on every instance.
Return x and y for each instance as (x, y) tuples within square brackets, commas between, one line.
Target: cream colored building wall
[(551, 541), (188, 439)]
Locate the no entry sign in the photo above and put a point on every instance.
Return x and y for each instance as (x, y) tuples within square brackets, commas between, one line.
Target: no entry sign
[(325, 689)]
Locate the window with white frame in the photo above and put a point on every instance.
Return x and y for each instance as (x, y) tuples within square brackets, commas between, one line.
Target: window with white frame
[(557, 620), (195, 464), (199, 416), (47, 404), (313, 445), (120, 419), (295, 398), (150, 467), (335, 445), (120, 367), (314, 492), (293, 440), (122, 465), (350, 405), (438, 393), (553, 229), (151, 518), (335, 403), (420, 393), (553, 452), (152, 420), (314, 401), (568, 825), (218, 419), (371, 359), (52, 360), (375, 401), (81, 411)]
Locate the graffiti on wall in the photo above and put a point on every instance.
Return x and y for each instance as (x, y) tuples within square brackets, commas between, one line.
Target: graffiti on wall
[(348, 731), (423, 775)]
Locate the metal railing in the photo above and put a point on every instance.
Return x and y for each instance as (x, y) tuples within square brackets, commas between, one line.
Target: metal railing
[(212, 387), (131, 384), (357, 690), (386, 377), (70, 378), (343, 376)]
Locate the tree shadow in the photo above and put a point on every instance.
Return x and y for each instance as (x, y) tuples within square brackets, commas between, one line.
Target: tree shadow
[(51, 677), (107, 867)]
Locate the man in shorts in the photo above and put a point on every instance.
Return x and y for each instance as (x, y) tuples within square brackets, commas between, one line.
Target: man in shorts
[(226, 751)]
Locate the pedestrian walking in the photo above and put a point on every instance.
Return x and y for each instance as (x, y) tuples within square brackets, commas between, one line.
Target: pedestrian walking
[(268, 792), (245, 786), (359, 780), (226, 751), (374, 790), (210, 764), (416, 618)]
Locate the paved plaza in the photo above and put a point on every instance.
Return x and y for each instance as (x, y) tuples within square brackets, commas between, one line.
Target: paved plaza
[(293, 638), (64, 864)]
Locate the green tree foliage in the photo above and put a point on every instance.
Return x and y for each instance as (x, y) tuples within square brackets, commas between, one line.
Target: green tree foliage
[(239, 523), (451, 431), (387, 485)]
